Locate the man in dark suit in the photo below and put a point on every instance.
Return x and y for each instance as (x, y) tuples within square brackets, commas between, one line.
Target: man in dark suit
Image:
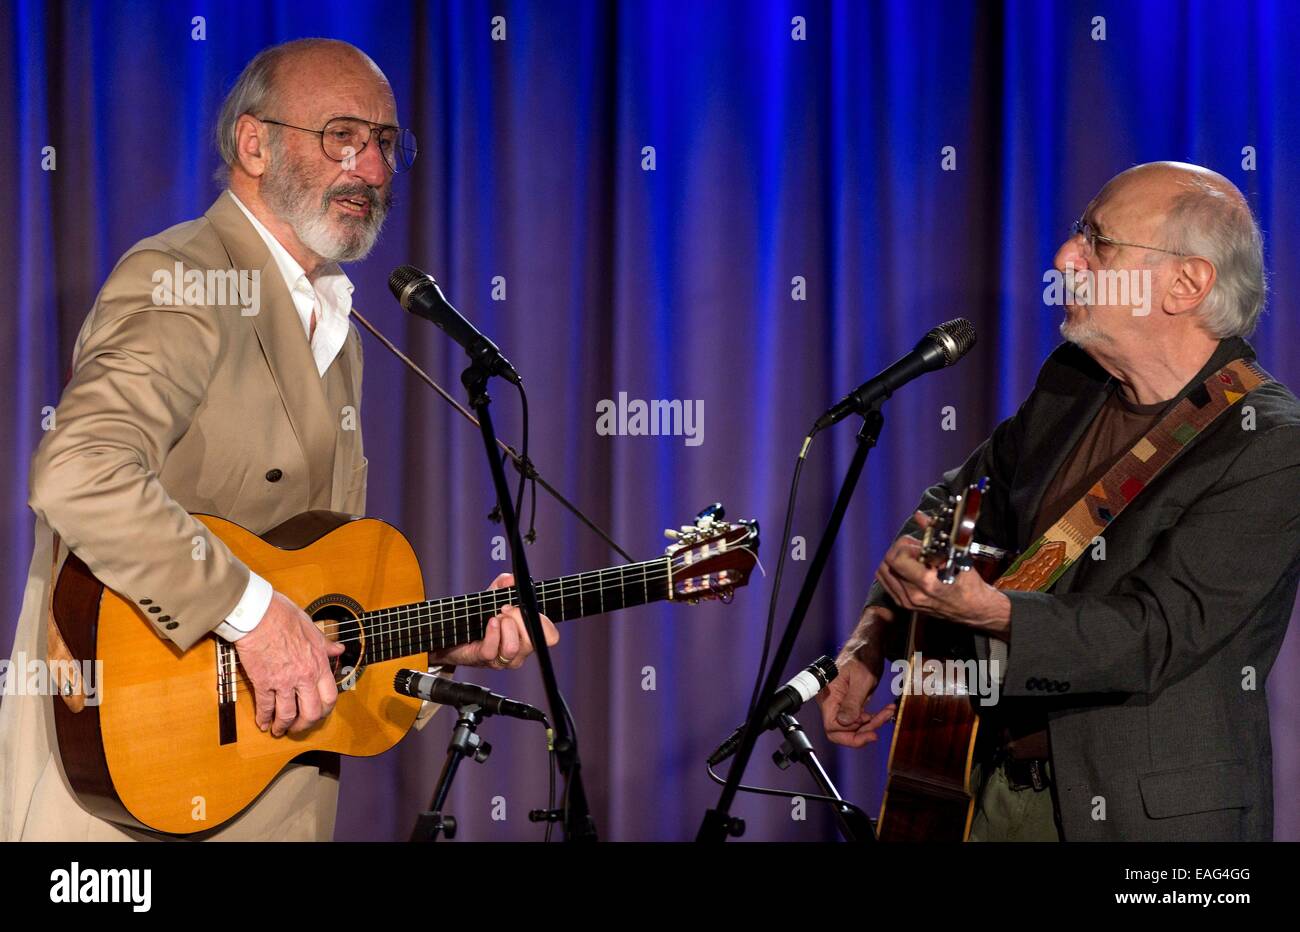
[(1133, 703)]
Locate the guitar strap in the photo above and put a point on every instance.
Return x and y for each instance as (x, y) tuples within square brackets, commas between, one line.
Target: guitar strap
[(59, 659), (1046, 559)]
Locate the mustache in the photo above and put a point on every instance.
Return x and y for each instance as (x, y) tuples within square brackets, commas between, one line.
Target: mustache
[(372, 195)]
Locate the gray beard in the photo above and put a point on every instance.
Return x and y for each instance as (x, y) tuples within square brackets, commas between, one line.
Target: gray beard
[(289, 196), (1083, 333)]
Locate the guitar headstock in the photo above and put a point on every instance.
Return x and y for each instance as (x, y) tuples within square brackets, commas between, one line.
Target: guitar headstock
[(711, 558), (946, 544)]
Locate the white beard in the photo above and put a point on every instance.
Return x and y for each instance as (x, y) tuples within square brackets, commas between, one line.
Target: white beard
[(289, 196)]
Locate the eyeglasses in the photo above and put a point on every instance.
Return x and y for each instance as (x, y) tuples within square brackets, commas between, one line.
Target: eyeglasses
[(344, 138), (1091, 238)]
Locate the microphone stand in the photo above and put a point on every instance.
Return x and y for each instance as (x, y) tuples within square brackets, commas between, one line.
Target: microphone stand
[(465, 742), (577, 821), (854, 825), (525, 467), (718, 823)]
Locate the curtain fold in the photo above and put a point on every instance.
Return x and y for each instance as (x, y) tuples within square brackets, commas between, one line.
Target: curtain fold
[(797, 232)]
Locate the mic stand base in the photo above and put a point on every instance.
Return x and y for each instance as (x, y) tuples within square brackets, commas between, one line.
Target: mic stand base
[(465, 743)]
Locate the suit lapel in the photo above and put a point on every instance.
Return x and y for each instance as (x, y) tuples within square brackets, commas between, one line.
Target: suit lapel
[(1078, 414), (284, 345)]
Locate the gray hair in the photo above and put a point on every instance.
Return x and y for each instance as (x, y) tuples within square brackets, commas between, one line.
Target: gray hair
[(1209, 221), (255, 92)]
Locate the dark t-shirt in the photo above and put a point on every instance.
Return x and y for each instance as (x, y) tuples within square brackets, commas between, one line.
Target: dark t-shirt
[(1117, 427)]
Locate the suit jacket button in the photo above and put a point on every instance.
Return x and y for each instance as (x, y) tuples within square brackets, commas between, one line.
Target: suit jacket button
[(173, 625), (274, 475), (154, 610), (1065, 687), (146, 601), (1031, 683)]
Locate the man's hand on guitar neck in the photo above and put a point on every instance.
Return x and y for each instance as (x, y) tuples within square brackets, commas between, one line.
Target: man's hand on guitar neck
[(287, 659), (844, 698), (968, 600), (505, 644)]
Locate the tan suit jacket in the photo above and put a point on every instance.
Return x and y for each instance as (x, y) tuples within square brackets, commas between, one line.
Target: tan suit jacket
[(172, 410)]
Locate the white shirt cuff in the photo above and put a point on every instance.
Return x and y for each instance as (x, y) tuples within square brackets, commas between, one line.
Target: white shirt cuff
[(248, 611)]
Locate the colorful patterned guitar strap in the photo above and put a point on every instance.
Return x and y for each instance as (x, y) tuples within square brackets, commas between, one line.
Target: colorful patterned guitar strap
[(1046, 560)]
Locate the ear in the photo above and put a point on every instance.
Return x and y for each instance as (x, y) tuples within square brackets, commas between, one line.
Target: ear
[(251, 145), (1193, 279)]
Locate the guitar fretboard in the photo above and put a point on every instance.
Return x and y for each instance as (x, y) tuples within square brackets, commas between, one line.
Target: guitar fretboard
[(407, 630)]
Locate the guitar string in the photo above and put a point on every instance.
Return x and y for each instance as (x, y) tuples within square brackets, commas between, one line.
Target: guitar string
[(567, 584), (455, 616), (392, 618), (662, 572), (458, 617), (663, 568)]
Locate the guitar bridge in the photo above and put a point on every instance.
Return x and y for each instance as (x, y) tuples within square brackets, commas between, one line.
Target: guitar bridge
[(227, 692)]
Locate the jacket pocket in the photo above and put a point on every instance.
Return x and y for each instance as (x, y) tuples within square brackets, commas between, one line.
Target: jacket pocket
[(353, 497), (1203, 788)]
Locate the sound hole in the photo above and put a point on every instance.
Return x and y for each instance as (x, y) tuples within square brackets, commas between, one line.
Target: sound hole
[(339, 623)]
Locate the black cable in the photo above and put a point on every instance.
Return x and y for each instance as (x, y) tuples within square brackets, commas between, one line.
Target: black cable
[(550, 792), (767, 791), (509, 450), (523, 473), (780, 568)]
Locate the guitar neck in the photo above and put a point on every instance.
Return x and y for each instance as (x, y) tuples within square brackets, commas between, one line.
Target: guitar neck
[(407, 630)]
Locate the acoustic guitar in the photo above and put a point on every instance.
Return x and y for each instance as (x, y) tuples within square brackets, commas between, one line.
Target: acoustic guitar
[(928, 794), (172, 744)]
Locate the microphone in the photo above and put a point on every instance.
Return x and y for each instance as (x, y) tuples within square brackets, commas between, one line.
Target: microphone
[(443, 691), (787, 700), (941, 347), (420, 294)]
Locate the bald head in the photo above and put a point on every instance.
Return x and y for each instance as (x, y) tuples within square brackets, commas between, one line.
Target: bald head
[(1194, 211), (295, 80)]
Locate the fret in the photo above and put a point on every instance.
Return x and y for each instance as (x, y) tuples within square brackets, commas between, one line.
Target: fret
[(619, 590), (407, 630)]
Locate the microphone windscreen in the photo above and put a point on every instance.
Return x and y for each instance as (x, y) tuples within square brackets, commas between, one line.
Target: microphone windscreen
[(955, 338), (401, 280)]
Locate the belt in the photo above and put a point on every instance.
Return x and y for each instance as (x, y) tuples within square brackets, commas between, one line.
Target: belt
[(1033, 772)]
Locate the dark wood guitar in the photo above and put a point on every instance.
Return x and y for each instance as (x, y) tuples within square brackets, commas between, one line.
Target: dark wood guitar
[(928, 796), (172, 744)]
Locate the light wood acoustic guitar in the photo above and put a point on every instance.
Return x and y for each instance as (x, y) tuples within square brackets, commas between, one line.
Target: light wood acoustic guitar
[(928, 792), (172, 745)]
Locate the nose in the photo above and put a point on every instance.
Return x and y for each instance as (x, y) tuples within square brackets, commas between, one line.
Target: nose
[(1073, 252), (370, 166)]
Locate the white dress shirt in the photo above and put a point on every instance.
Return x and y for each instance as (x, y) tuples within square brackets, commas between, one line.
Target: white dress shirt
[(330, 296)]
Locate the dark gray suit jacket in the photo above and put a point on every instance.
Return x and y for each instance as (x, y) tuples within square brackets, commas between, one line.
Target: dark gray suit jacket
[(1151, 663)]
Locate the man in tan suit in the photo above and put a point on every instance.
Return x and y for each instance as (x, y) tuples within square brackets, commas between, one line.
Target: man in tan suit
[(189, 395)]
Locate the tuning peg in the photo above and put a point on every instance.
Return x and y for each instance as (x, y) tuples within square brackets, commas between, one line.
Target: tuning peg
[(671, 534), (715, 511)]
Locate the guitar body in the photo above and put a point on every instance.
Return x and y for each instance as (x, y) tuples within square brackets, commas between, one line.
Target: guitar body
[(928, 796), (172, 744), (158, 751), (928, 793)]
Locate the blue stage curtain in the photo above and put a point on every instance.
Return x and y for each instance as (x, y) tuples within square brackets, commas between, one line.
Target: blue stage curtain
[(798, 232)]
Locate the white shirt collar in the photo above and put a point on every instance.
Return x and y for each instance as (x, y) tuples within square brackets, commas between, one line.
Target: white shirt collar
[(330, 295)]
